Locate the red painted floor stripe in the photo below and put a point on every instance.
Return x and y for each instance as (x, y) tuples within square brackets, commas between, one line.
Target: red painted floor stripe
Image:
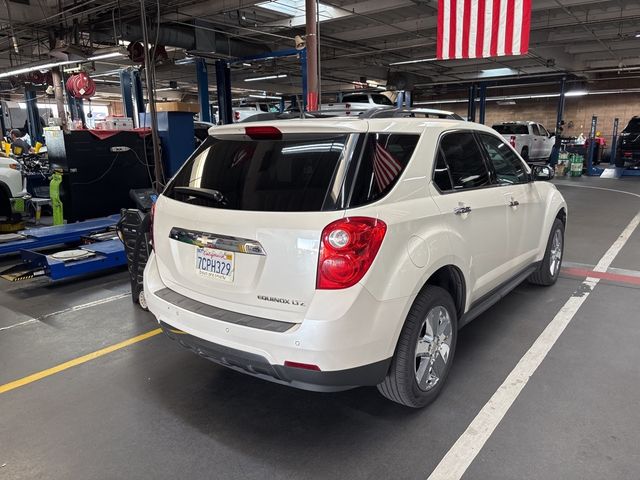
[(613, 277)]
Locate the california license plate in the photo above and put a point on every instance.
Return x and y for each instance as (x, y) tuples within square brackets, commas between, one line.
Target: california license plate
[(214, 263)]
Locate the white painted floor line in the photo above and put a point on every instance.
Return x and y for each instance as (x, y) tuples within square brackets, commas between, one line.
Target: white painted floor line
[(68, 310), (562, 184), (457, 460)]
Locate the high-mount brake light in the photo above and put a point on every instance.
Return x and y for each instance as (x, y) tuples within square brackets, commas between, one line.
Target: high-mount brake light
[(263, 133), (347, 249)]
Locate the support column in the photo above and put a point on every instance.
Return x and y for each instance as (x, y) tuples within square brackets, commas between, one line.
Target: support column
[(483, 103), (400, 99), (408, 99), (203, 90), (223, 84), (311, 14), (58, 91)]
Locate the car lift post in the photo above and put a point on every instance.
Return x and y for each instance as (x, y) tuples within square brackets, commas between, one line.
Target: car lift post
[(203, 89), (483, 102), (614, 143), (471, 108), (591, 170), (223, 86), (126, 91), (33, 116), (555, 151)]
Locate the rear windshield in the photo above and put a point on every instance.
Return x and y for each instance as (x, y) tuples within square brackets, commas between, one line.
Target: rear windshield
[(511, 129), (300, 173), (633, 126)]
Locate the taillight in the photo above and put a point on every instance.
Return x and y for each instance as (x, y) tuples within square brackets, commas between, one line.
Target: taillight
[(512, 141), (347, 249), (236, 115), (151, 215)]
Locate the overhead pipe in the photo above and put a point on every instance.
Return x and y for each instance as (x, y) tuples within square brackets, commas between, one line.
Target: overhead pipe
[(191, 38), (311, 14)]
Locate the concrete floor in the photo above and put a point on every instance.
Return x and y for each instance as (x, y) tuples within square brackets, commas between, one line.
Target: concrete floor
[(153, 410)]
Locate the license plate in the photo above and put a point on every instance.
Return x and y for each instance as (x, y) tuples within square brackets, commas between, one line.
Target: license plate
[(214, 263)]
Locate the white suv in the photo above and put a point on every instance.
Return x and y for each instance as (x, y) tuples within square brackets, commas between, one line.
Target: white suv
[(531, 139), (328, 254)]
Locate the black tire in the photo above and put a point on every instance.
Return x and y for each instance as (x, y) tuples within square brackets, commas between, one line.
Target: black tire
[(525, 154), (543, 275), (5, 206), (400, 384)]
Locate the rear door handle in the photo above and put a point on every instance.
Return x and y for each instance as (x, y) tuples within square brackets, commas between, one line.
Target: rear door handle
[(462, 210), (514, 203)]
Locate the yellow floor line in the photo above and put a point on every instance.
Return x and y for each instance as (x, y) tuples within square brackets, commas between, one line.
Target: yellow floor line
[(76, 361)]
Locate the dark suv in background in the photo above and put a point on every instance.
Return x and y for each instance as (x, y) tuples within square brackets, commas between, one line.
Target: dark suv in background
[(629, 144)]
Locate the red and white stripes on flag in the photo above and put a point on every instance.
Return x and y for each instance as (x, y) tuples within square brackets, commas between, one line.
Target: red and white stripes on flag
[(483, 28), (385, 167)]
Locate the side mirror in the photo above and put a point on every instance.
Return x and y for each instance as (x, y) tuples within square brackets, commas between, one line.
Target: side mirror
[(542, 172)]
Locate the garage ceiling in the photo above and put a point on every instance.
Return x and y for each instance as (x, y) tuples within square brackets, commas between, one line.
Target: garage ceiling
[(369, 38)]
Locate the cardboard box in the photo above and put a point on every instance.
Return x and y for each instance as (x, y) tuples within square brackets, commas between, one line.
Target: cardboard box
[(177, 107)]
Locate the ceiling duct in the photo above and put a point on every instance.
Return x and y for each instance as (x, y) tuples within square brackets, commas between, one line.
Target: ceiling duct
[(201, 37)]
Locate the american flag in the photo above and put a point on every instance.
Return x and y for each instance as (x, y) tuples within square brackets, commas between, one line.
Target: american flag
[(483, 28), (385, 167)]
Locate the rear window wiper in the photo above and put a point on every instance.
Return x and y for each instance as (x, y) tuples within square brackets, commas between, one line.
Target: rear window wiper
[(208, 193)]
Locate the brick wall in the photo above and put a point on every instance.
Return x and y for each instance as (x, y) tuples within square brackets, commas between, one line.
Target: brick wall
[(577, 110)]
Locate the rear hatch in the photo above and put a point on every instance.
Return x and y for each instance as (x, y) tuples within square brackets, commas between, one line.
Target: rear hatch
[(239, 226)]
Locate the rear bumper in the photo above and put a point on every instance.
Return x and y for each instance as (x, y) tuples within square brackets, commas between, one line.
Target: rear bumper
[(352, 346), (258, 366)]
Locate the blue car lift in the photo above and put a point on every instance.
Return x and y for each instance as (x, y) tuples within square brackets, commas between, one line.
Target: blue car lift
[(104, 250)]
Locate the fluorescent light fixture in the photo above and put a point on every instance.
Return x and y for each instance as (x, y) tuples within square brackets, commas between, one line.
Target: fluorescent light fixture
[(266, 77), (105, 56), (637, 35), (576, 93), (497, 72), (33, 68), (420, 60), (295, 10), (263, 97), (245, 64)]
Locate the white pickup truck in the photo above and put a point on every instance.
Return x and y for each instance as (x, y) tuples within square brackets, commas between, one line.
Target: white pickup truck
[(531, 139), (11, 185), (355, 103)]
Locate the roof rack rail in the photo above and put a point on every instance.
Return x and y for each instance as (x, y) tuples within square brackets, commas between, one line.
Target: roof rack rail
[(409, 112), (265, 117)]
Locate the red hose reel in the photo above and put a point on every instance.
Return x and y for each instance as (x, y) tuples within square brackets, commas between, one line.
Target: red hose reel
[(81, 85)]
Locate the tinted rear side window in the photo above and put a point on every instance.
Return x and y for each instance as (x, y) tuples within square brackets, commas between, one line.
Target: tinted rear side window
[(380, 99), (290, 175), (355, 99), (511, 129), (465, 160), (383, 159)]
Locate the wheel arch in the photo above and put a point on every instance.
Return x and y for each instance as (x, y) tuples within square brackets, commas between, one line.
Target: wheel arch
[(450, 278)]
